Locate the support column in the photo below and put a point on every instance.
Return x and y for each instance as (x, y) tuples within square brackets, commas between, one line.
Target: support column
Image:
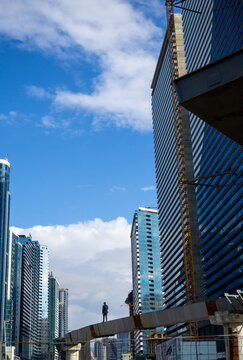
[(72, 351), (233, 333)]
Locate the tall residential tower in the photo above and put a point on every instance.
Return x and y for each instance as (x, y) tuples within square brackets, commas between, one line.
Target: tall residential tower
[(53, 314), (63, 312), (4, 237), (146, 270)]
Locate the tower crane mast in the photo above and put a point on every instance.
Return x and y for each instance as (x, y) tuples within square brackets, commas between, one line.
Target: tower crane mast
[(175, 72)]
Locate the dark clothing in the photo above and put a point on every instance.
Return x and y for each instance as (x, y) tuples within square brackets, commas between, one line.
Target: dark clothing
[(104, 311)]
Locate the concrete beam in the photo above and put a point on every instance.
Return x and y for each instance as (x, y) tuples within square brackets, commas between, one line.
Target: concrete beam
[(72, 352), (183, 314), (214, 94)]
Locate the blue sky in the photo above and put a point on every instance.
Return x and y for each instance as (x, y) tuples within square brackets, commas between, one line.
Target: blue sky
[(75, 119)]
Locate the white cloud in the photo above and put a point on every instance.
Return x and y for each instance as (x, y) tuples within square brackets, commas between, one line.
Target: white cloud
[(148, 188), (115, 33), (13, 113), (91, 259), (9, 118), (49, 122), (37, 92), (117, 188)]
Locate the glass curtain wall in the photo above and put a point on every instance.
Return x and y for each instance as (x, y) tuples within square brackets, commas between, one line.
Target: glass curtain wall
[(209, 36)]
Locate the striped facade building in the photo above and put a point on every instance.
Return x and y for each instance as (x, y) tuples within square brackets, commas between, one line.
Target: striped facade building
[(211, 30)]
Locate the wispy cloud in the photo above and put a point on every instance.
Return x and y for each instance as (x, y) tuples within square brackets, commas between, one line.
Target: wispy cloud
[(10, 118), (37, 92), (55, 122), (117, 188), (118, 35), (148, 188), (49, 122), (95, 266)]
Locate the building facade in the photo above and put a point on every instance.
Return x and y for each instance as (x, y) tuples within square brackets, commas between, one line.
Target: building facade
[(211, 30), (14, 292), (29, 312), (99, 350), (44, 302), (4, 237), (146, 270), (209, 36), (178, 223), (123, 344), (63, 312), (34, 311), (53, 314)]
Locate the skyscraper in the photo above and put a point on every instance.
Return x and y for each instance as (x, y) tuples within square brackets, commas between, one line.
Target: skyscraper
[(53, 314), (123, 344), (14, 292), (63, 312), (146, 270), (29, 313), (4, 237), (44, 302), (211, 30), (209, 36), (178, 223), (34, 321)]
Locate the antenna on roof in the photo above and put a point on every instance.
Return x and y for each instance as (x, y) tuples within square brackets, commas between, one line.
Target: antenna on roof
[(7, 156)]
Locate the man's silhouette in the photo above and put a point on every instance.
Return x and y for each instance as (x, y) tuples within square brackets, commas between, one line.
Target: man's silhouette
[(104, 311)]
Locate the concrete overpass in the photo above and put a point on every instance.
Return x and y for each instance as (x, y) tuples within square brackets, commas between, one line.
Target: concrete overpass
[(226, 311)]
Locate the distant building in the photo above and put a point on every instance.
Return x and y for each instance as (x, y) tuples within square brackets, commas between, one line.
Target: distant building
[(122, 344), (44, 302), (4, 237), (146, 269), (53, 314), (34, 327), (14, 292), (129, 302), (29, 312), (105, 349), (63, 312), (99, 350), (111, 349)]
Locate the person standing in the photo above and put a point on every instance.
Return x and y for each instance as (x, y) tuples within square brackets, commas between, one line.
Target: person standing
[(104, 311)]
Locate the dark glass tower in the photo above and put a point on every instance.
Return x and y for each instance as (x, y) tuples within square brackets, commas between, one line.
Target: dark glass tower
[(63, 312), (209, 36), (53, 314), (211, 30), (14, 292), (4, 237), (174, 207)]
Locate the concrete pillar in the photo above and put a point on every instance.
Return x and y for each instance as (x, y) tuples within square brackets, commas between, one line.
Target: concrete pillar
[(233, 333), (72, 351)]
